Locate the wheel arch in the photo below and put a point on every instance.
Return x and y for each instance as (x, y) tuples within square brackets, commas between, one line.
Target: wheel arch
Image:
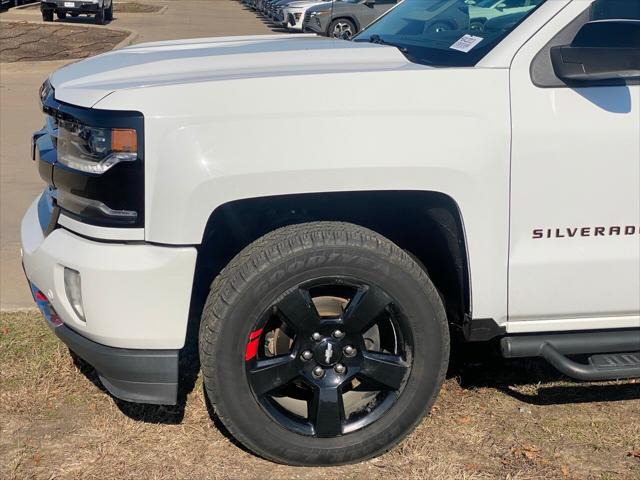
[(426, 224)]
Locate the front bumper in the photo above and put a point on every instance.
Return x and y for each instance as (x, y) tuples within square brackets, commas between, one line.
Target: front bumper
[(318, 24), (136, 301), (78, 6), (291, 21), (141, 376)]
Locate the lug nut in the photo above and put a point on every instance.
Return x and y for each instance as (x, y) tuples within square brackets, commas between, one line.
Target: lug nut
[(338, 334), (318, 372), (306, 355), (316, 336), (340, 368), (349, 351)]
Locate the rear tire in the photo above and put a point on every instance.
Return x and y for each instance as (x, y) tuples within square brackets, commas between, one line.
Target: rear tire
[(47, 15), (311, 262), (109, 13), (100, 18), (61, 15)]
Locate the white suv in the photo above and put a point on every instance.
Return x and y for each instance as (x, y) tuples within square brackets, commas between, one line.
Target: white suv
[(436, 182)]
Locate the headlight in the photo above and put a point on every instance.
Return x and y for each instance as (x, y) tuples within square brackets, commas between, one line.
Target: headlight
[(94, 150)]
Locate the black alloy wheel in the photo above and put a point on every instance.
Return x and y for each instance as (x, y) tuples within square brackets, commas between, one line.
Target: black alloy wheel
[(347, 367), (322, 343)]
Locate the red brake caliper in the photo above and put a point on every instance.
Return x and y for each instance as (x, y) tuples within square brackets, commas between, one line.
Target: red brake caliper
[(252, 346)]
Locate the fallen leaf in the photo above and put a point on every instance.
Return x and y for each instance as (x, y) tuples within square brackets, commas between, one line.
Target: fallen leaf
[(634, 453), (464, 420), (565, 471)]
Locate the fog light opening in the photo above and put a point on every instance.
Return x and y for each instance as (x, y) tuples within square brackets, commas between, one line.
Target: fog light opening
[(73, 289)]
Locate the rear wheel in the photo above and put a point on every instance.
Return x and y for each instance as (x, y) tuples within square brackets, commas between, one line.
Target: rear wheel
[(61, 15), (109, 13), (47, 15), (322, 343)]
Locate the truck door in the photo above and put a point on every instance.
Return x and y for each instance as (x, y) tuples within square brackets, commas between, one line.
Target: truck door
[(575, 185)]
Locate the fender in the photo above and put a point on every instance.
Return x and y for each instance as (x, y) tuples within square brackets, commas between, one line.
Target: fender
[(225, 140)]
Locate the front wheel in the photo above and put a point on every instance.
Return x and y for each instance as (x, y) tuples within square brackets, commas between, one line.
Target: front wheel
[(109, 13), (47, 15), (61, 15), (342, 28), (322, 343)]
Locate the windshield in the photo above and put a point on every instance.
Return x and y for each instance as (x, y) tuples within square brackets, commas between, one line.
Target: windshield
[(448, 32)]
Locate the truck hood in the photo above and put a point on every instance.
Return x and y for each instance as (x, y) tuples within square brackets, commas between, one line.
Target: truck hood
[(86, 82)]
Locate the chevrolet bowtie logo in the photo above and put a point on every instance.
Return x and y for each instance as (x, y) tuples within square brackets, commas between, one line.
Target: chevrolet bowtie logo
[(328, 353)]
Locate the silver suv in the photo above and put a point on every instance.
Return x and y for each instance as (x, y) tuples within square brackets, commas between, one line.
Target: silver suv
[(344, 18)]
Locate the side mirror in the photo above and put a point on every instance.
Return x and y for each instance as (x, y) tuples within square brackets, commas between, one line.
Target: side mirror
[(500, 7), (369, 3), (603, 52)]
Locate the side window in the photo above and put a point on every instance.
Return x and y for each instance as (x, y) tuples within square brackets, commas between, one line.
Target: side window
[(615, 10), (386, 2)]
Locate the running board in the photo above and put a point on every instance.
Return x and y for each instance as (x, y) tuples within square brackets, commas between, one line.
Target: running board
[(615, 353)]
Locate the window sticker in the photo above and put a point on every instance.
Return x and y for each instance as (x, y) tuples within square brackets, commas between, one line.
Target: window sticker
[(466, 43)]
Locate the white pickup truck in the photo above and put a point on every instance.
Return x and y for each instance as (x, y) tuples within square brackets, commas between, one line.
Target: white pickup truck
[(483, 184)]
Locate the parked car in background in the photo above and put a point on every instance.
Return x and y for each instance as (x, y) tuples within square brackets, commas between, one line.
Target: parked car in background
[(102, 10), (344, 18), (292, 14), (480, 11), (6, 4)]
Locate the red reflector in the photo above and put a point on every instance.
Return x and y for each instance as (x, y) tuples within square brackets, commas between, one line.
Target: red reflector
[(41, 296), (55, 319)]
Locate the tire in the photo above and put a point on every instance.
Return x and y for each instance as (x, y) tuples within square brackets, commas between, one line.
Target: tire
[(61, 15), (100, 18), (47, 15), (342, 28), (398, 368), (109, 13)]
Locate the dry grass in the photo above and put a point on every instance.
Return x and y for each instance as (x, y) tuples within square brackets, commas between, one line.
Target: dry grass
[(492, 420)]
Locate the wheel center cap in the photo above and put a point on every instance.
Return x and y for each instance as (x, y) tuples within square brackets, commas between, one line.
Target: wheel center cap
[(327, 352)]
